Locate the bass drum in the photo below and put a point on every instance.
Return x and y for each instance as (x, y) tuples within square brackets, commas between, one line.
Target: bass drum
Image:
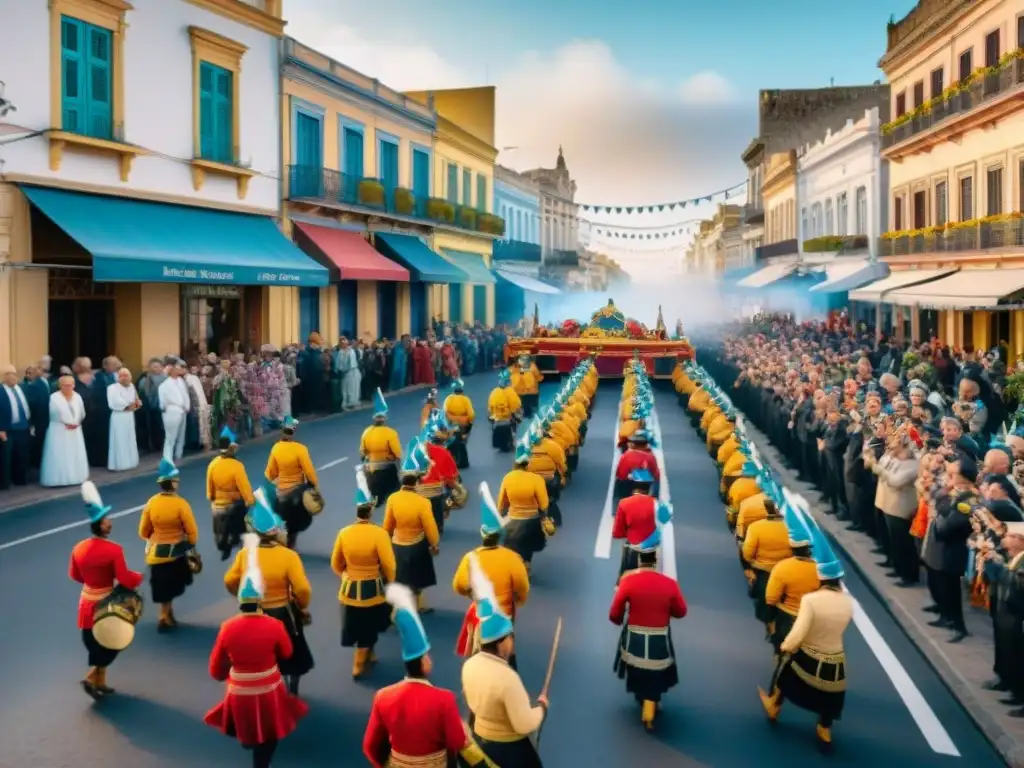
[(312, 501), (458, 497), (115, 618)]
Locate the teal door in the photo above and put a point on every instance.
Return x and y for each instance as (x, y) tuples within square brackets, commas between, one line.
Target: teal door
[(418, 309), (455, 303), (480, 304), (309, 311), (453, 183), (353, 168), (308, 156), (348, 292), (420, 179), (387, 309), (389, 170)]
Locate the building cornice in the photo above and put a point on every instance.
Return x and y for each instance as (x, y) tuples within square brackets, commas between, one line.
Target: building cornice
[(245, 13), (456, 136), (912, 34)]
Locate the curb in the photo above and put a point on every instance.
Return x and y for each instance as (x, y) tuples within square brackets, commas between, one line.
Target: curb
[(934, 653), (123, 477)]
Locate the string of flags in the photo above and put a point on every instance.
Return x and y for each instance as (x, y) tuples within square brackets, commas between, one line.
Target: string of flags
[(723, 194)]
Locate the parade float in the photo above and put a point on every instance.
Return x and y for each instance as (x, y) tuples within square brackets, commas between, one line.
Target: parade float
[(610, 337)]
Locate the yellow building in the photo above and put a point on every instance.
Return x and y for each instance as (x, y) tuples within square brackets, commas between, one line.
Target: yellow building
[(464, 158)]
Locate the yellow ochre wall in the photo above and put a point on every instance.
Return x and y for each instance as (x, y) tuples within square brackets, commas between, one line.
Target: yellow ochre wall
[(24, 293), (148, 321)]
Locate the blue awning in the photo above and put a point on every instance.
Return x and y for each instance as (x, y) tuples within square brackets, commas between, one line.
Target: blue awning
[(137, 241), (424, 265), (526, 283), (472, 264)]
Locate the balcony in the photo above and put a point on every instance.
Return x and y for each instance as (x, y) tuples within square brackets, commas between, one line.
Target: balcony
[(368, 195), (988, 95), (753, 214), (1003, 232), (516, 250), (836, 244), (784, 248)]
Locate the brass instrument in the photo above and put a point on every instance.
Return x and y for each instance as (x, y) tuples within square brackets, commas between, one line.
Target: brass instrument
[(312, 501), (457, 497), (195, 562)]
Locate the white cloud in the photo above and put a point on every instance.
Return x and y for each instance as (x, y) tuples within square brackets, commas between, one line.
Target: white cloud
[(707, 87)]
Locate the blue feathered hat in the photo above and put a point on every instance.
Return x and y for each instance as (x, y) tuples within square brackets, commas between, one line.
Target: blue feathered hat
[(290, 424), (262, 518), (663, 514), (411, 464), (641, 475), (380, 405), (494, 624), (227, 434), (458, 385), (415, 643), (799, 536), (93, 503), (828, 564), (751, 469), (252, 587), (491, 521), (166, 471), (363, 497), (522, 455), (504, 378)]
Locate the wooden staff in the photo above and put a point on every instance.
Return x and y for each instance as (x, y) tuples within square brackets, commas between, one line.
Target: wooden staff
[(550, 672)]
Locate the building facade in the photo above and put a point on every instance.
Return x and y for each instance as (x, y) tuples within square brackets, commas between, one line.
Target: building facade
[(955, 146), (721, 246), (778, 191), (753, 211), (517, 201), (138, 218), (559, 225)]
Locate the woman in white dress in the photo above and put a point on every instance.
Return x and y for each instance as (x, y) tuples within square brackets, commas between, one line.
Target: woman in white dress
[(124, 402), (65, 461)]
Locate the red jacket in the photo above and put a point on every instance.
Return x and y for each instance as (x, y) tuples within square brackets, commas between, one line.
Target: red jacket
[(635, 518), (634, 458), (97, 564), (414, 719), (442, 466), (653, 599)]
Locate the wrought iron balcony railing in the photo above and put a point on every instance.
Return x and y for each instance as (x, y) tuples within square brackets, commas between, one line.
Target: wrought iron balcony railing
[(784, 248), (981, 236)]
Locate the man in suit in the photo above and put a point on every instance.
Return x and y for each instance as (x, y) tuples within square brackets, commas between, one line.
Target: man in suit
[(15, 430)]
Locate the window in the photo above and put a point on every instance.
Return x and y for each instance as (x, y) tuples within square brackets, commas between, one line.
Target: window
[(994, 191), (452, 193), (1020, 31), (992, 48), (966, 198), (481, 192), (966, 64), (467, 187), (86, 79), (216, 120), (420, 174), (901, 104), (862, 211), (817, 221), (352, 153), (941, 205), (920, 209), (842, 214), (918, 93), (897, 214), (388, 161), (804, 225), (829, 218), (937, 83), (308, 139)]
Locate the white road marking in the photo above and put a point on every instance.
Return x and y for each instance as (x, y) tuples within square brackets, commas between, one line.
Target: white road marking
[(927, 721), (603, 546), (114, 516)]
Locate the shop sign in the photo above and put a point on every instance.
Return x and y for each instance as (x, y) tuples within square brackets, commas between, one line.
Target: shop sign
[(212, 291)]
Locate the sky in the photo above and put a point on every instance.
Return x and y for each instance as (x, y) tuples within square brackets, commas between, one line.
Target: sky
[(652, 100)]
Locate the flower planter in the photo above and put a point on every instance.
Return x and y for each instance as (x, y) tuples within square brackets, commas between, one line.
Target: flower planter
[(440, 210), (405, 201), (370, 192)]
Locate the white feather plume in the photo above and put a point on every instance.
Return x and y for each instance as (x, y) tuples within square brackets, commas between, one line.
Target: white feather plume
[(488, 499), (251, 542), (90, 494), (400, 597), (361, 482), (261, 498), (482, 587)]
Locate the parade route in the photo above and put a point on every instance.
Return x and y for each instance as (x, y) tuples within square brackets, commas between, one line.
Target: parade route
[(897, 709)]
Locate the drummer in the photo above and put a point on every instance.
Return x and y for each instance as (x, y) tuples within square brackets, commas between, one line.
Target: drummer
[(286, 590), (292, 469), (229, 491), (381, 451), (97, 563), (503, 408), (637, 456), (169, 529), (523, 498), (409, 521), (526, 381), (458, 410), (439, 477)]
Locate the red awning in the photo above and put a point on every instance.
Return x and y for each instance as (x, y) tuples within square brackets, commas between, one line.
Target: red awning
[(347, 254)]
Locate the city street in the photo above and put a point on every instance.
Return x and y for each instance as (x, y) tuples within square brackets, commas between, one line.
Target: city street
[(898, 712)]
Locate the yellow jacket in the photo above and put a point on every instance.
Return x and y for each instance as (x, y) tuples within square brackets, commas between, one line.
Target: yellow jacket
[(227, 482), (284, 577), (363, 553), (547, 458), (727, 449), (578, 407), (525, 382), (289, 464), (459, 410), (750, 511), (380, 444), (505, 569), (523, 494), (408, 518), (767, 543), (167, 519), (698, 401), (790, 580), (734, 464), (742, 488), (501, 405), (562, 434)]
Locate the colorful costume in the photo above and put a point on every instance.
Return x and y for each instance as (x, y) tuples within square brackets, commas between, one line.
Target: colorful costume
[(409, 520), (291, 469), (790, 580), (504, 407), (438, 473), (523, 497), (381, 450), (458, 410), (229, 492), (636, 519)]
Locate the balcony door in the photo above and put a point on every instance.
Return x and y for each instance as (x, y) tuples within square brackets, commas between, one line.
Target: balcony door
[(309, 154), (920, 209), (388, 167), (420, 175), (352, 168)]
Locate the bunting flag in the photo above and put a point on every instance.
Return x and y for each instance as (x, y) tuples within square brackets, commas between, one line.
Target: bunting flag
[(728, 193)]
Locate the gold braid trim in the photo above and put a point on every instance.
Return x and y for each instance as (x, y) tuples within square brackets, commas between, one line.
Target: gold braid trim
[(814, 679)]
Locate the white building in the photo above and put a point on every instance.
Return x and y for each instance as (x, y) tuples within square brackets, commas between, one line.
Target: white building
[(559, 226)]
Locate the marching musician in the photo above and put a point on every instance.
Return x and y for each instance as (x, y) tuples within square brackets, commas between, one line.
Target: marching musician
[(503, 567), (429, 406), (286, 590), (637, 456), (578, 405), (364, 559), (526, 379), (547, 459), (629, 427), (381, 451), (409, 520), (636, 518), (811, 672), (169, 529), (414, 723), (458, 410), (565, 436), (291, 469), (765, 545), (644, 605), (790, 579), (439, 477), (229, 491), (98, 564), (257, 708), (502, 717), (503, 408), (523, 498)]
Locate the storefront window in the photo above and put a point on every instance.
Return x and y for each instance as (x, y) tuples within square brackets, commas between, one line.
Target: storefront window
[(211, 319)]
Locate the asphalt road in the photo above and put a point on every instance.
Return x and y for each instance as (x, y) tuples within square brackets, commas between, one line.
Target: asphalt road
[(713, 718)]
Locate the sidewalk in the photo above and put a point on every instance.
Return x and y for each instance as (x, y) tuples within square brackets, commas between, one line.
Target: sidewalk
[(33, 493), (963, 667)]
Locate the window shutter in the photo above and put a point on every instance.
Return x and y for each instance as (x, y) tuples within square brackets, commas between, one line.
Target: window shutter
[(467, 187), (100, 84), (72, 104), (225, 116), (481, 192), (353, 154), (207, 126)]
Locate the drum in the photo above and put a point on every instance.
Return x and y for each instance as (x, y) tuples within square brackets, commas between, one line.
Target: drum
[(459, 496), (312, 501), (115, 618), (195, 562)]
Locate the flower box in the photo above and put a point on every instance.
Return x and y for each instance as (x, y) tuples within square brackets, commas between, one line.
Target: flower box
[(370, 192), (405, 201), (466, 217), (440, 210)]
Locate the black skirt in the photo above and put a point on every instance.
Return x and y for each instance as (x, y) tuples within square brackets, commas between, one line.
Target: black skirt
[(169, 580), (439, 507), (630, 560), (98, 655), (762, 610), (228, 526), (525, 537), (414, 565), (572, 460), (817, 684), (361, 625), (647, 662), (502, 437), (382, 482), (301, 660), (783, 623), (460, 453), (530, 404), (291, 509), (514, 754)]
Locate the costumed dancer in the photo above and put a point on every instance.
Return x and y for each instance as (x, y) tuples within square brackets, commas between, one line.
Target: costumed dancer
[(291, 469), (229, 492), (502, 717), (765, 545), (168, 527), (414, 723), (409, 520), (503, 567), (381, 450), (257, 708), (572, 432), (791, 578), (526, 381), (644, 605), (563, 434), (364, 559), (503, 408), (458, 410), (286, 590), (637, 456), (637, 517), (811, 672), (98, 564), (523, 498), (429, 406), (547, 459), (440, 482)]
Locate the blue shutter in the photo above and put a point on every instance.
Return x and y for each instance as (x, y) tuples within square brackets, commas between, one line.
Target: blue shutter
[(467, 187), (353, 151), (72, 75), (207, 111), (348, 301), (453, 183), (308, 154), (454, 303), (388, 166), (309, 311), (420, 174), (225, 117), (100, 83), (418, 319), (387, 309), (480, 304), (481, 192)]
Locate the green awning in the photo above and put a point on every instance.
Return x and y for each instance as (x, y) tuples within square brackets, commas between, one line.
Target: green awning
[(472, 264), (424, 265)]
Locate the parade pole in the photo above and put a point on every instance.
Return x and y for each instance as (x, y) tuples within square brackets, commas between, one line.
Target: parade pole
[(550, 672)]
